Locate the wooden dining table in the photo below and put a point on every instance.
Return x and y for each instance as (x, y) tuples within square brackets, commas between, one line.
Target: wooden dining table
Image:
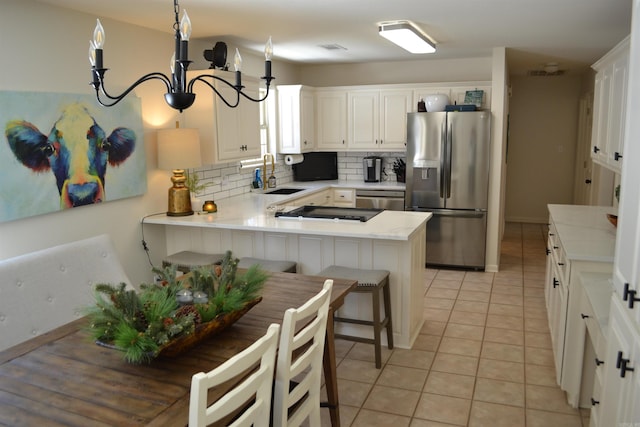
[(63, 378)]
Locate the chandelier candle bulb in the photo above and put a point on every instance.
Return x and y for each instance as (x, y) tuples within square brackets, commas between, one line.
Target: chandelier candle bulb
[(98, 43), (268, 53), (185, 33), (237, 63)]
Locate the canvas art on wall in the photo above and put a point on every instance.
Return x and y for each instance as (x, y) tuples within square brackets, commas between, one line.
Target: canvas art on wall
[(60, 151)]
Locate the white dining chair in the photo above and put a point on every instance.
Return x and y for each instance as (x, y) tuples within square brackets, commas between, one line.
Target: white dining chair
[(254, 410), (296, 395)]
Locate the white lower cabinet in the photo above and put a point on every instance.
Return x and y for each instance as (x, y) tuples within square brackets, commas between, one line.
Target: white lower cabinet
[(568, 249), (621, 388)]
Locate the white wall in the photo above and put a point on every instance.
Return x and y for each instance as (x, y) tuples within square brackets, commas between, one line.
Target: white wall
[(542, 145), (420, 71), (45, 49)]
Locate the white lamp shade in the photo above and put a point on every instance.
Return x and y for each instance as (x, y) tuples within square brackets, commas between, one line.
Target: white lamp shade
[(179, 149)]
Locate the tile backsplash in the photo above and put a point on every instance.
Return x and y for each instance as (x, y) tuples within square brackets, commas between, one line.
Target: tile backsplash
[(227, 180)]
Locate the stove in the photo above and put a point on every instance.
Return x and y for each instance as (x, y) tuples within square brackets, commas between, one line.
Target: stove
[(330, 212)]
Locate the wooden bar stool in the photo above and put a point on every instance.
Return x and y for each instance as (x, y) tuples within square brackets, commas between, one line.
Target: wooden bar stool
[(269, 265), (370, 281), (185, 261)]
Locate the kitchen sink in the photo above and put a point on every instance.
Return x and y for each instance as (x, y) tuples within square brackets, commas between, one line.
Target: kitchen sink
[(286, 190)]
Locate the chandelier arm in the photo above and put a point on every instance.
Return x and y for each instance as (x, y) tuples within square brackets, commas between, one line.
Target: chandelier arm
[(118, 98), (254, 99), (201, 78)]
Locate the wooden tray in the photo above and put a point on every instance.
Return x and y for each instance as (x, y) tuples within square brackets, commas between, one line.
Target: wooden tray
[(202, 331)]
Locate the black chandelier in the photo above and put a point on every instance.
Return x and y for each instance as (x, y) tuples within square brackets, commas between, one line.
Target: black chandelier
[(179, 94)]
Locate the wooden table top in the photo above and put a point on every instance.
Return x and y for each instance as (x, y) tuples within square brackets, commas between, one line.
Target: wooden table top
[(63, 378)]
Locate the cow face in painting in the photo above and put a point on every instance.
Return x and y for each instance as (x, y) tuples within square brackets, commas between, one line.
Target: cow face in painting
[(76, 150)]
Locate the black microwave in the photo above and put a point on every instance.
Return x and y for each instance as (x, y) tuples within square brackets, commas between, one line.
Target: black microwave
[(317, 167)]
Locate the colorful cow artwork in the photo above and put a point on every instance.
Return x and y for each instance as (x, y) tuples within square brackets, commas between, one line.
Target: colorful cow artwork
[(76, 149), (95, 154)]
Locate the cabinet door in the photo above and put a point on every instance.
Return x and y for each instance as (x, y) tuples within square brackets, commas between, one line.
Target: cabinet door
[(599, 133), (331, 120), (394, 106), (226, 134), (618, 100), (557, 312), (296, 121), (364, 120), (238, 128), (308, 120), (615, 389)]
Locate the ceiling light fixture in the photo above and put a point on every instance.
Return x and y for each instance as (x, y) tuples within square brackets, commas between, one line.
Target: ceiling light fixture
[(179, 92), (406, 35)]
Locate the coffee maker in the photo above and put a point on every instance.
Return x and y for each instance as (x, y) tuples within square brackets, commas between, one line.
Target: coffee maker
[(372, 168)]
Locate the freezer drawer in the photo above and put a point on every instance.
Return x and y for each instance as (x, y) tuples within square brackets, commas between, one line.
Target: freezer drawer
[(457, 239)]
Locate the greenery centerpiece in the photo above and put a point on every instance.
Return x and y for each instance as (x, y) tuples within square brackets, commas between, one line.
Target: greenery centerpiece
[(172, 316)]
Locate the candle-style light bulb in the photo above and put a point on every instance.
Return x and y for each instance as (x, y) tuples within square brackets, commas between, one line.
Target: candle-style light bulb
[(98, 35), (268, 50), (237, 61), (185, 27), (237, 64), (92, 54)]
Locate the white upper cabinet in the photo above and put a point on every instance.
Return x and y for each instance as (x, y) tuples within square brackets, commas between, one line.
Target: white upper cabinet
[(377, 119), (296, 119), (356, 118), (609, 107), (226, 134), (331, 120)]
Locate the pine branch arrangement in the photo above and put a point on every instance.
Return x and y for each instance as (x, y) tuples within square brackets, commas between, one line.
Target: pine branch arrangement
[(141, 323)]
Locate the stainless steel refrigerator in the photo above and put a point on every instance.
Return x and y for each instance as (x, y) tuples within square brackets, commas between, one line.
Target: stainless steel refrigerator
[(448, 174)]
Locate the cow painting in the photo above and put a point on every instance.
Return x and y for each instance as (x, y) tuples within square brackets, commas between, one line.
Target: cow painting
[(76, 149)]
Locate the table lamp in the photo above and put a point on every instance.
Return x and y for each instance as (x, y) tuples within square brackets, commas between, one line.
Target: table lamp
[(178, 149)]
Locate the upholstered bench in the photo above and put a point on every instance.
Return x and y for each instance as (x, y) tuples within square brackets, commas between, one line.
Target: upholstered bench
[(42, 290)]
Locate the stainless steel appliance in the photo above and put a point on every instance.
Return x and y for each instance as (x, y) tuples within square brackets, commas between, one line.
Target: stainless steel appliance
[(372, 168), (330, 212), (380, 199), (448, 175)]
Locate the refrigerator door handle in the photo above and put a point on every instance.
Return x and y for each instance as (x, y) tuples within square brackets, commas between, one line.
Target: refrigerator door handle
[(461, 214), (449, 155), (443, 148)]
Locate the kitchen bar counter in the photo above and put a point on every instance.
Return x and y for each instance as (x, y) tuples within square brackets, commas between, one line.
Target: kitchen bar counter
[(392, 240)]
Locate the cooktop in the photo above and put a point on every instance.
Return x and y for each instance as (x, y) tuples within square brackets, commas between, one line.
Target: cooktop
[(330, 212)]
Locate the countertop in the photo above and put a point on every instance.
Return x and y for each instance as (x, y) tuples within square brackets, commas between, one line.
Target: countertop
[(249, 212), (585, 232)]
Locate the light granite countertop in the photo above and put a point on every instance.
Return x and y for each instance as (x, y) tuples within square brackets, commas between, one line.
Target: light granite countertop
[(250, 212), (585, 232)]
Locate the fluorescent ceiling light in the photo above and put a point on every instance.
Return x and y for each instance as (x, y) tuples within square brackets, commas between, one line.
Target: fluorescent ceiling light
[(407, 36)]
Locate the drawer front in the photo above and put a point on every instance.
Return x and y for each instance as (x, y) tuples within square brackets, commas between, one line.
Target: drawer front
[(343, 196)]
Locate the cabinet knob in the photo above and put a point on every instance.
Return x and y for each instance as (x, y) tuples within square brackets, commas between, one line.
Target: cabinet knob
[(343, 141), (587, 181), (561, 263), (617, 156), (305, 142), (599, 362), (584, 316), (548, 251), (594, 402), (629, 295), (595, 149), (555, 282), (621, 363)]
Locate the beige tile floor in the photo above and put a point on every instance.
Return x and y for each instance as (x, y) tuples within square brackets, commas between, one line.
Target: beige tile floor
[(483, 357)]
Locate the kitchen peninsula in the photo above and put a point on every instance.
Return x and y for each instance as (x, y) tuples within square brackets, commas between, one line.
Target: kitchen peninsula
[(391, 240)]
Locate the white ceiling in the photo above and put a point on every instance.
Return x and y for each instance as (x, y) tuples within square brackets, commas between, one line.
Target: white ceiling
[(574, 33)]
